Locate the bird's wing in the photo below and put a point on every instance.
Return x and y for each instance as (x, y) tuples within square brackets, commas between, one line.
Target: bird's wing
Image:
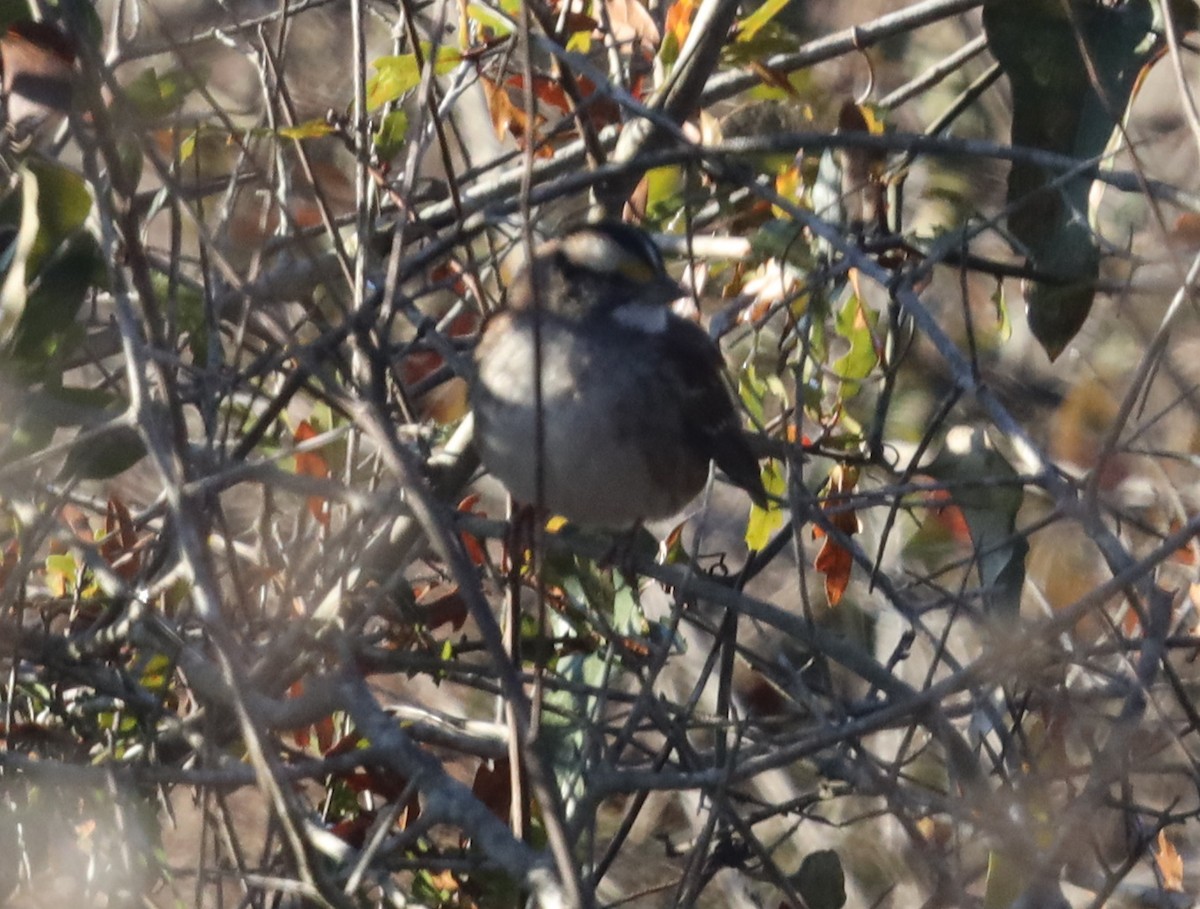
[(709, 416)]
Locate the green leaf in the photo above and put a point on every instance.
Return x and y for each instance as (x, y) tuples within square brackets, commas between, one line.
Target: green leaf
[(821, 880), (12, 11), (856, 324), (1006, 878), (103, 454), (47, 326), (396, 75), (568, 716), (1057, 107), (154, 96), (63, 206), (389, 138), (627, 611)]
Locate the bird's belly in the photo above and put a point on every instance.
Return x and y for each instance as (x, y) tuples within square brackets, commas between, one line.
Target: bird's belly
[(594, 473)]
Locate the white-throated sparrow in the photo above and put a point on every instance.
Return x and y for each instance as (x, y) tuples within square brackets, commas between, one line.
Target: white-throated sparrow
[(634, 407)]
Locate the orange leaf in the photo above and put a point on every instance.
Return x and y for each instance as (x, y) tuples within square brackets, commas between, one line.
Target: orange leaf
[(510, 118), (679, 20), (312, 464), (1170, 863), (949, 515), (474, 548), (1185, 554)]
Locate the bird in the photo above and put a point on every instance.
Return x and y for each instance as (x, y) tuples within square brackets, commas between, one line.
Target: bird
[(634, 405)]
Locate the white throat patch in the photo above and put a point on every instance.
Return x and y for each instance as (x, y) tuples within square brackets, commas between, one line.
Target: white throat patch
[(648, 318)]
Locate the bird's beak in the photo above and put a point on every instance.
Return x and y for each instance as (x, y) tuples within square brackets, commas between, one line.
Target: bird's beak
[(668, 291)]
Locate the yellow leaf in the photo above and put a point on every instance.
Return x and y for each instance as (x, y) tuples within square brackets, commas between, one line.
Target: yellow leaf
[(750, 26), (310, 129), (765, 521)]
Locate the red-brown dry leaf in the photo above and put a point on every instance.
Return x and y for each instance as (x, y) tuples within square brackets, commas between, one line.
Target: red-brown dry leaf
[(312, 464), (254, 219), (300, 736), (863, 192), (418, 365), (447, 609), (575, 21), (1131, 622), (450, 272), (344, 745), (834, 561), (1186, 231), (76, 520), (354, 830), (322, 727), (381, 784), (601, 109), (774, 78), (325, 732), (761, 697), (493, 787), (1169, 862), (120, 539)]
